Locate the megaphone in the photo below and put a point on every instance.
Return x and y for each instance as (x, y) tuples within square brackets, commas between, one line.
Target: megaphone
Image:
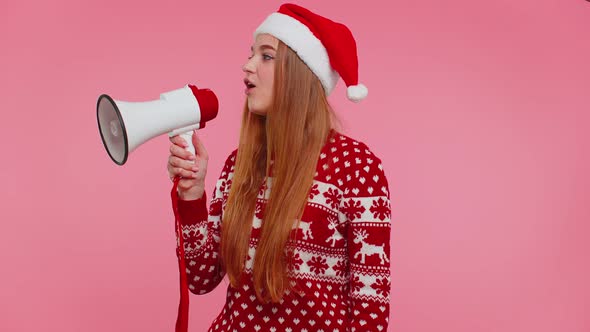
[(125, 125)]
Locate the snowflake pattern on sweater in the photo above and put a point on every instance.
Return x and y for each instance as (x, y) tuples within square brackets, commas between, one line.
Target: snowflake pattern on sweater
[(341, 256)]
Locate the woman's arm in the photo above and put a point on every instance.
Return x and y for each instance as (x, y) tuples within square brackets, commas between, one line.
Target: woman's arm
[(201, 235), (367, 208)]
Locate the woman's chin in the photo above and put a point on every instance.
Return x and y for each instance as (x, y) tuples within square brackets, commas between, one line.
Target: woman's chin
[(257, 111)]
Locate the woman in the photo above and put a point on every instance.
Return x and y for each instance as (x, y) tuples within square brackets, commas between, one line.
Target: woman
[(299, 220)]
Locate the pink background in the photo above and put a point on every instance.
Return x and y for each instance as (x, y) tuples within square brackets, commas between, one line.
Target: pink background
[(479, 110)]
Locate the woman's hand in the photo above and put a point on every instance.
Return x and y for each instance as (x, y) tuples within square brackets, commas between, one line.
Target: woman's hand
[(192, 169)]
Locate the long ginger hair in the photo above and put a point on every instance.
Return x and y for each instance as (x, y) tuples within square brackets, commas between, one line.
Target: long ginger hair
[(293, 132)]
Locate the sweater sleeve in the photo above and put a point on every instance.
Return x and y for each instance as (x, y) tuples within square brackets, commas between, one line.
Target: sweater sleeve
[(201, 235), (367, 208)]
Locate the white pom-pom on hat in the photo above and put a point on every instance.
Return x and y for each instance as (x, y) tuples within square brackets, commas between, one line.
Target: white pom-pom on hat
[(357, 92)]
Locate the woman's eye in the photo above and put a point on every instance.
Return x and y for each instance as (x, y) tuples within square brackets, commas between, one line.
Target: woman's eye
[(267, 57)]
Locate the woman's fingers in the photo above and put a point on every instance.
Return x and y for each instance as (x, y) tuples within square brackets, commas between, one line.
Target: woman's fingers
[(178, 140), (183, 173), (181, 163), (199, 146), (181, 152)]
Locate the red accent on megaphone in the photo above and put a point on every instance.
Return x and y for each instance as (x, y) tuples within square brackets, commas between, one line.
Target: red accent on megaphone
[(207, 101)]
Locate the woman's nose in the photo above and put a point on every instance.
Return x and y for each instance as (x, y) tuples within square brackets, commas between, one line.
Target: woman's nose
[(247, 67)]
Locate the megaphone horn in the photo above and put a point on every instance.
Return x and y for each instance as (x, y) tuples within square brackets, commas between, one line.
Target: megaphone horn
[(125, 125)]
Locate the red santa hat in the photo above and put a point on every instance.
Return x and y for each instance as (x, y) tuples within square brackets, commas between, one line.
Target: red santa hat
[(327, 47)]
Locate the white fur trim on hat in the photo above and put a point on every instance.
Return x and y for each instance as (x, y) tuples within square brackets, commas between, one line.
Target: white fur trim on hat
[(307, 46), (357, 92)]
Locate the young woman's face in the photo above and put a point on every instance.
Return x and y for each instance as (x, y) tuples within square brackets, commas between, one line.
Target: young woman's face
[(260, 71)]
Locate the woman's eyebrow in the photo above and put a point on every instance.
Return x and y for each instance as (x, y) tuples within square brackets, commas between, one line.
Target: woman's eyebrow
[(263, 47)]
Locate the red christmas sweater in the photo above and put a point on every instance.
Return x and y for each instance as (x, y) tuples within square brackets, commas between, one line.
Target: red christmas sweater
[(341, 257)]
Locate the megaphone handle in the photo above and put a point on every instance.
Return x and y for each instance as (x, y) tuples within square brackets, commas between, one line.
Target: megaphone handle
[(188, 137)]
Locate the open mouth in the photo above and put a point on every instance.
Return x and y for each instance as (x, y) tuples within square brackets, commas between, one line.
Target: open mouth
[(249, 85)]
